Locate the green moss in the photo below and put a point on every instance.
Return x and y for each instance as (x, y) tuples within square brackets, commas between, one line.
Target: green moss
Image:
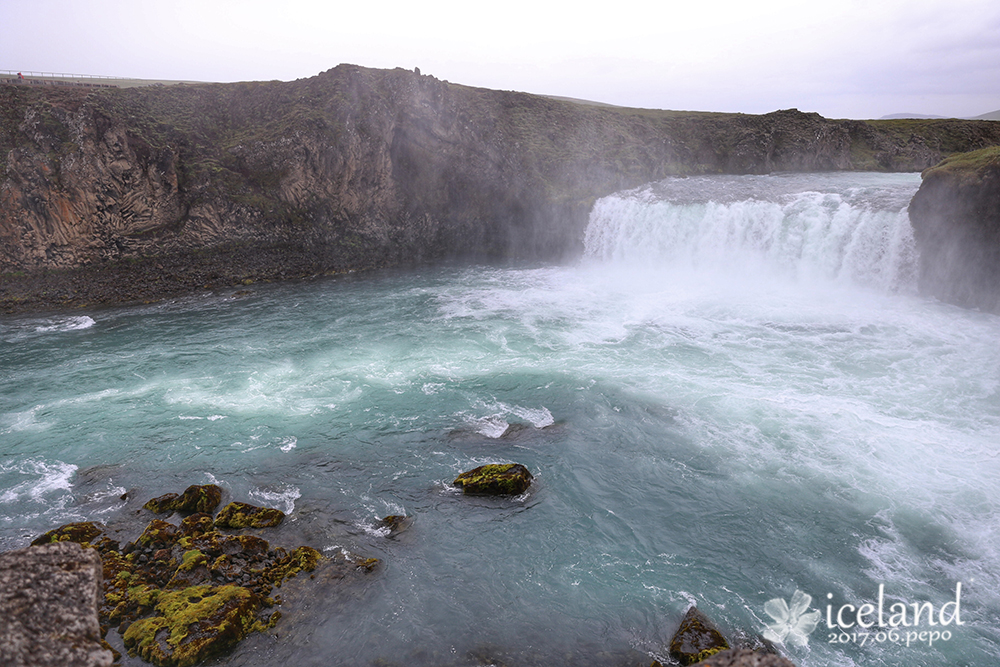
[(202, 499), (161, 504), (495, 479), (143, 595), (200, 622), (968, 168), (191, 560), (301, 559), (197, 524), (708, 653), (158, 533), (82, 533), (199, 499), (242, 515)]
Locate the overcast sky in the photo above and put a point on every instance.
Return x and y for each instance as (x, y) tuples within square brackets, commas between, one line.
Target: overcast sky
[(841, 58)]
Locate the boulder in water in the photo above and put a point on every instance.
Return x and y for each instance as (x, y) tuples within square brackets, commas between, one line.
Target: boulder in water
[(495, 479), (696, 639), (194, 499), (396, 523)]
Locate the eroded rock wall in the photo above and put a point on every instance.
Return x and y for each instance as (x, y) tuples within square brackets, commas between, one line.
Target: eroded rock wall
[(956, 225), (135, 194)]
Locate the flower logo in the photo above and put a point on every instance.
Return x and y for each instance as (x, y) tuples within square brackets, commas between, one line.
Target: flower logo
[(791, 622)]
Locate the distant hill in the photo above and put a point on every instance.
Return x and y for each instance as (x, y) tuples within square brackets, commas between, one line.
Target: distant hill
[(993, 115), (899, 116)]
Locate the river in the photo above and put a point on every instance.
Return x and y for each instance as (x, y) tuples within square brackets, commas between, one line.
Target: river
[(737, 393)]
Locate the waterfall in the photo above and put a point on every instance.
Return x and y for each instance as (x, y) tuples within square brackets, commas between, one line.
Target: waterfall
[(848, 228)]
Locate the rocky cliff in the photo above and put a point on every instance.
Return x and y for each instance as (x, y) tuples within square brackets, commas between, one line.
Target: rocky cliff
[(956, 224), (135, 194)]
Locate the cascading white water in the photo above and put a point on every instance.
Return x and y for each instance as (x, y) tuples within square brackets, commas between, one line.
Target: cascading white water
[(829, 227)]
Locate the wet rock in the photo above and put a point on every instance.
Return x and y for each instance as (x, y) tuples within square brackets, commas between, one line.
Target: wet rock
[(743, 657), (162, 504), (495, 479), (396, 523), (196, 525), (182, 594), (242, 515), (81, 533), (197, 623), (194, 499), (696, 639), (48, 603)]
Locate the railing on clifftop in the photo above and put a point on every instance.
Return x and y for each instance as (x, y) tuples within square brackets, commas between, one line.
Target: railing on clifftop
[(32, 78), (24, 77)]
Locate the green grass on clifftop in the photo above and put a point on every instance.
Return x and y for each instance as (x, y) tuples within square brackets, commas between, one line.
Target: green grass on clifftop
[(967, 165)]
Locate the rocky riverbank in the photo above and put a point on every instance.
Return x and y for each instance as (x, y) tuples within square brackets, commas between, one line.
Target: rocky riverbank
[(120, 196), (188, 590)]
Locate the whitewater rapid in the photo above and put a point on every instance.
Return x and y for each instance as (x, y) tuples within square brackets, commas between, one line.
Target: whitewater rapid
[(736, 394)]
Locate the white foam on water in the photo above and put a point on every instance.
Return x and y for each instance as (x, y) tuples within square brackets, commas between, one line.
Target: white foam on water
[(283, 499), (539, 417), (26, 420), (288, 444), (45, 480), (494, 425), (66, 324)]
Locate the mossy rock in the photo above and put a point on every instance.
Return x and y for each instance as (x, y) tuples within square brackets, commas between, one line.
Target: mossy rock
[(495, 479), (194, 624), (303, 558), (197, 525), (82, 533), (696, 639), (242, 515), (158, 534), (162, 504), (182, 594), (195, 498)]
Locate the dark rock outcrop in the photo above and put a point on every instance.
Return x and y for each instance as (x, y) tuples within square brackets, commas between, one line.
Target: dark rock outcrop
[(180, 593), (195, 498), (956, 225), (696, 638), (495, 479), (136, 194), (48, 603), (395, 523)]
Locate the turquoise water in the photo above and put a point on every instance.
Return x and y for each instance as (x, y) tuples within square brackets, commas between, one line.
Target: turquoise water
[(735, 394)]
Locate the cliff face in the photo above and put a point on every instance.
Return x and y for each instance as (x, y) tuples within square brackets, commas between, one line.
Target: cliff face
[(956, 224), (139, 193)]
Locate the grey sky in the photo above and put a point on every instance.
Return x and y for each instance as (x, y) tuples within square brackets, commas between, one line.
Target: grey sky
[(841, 58)]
